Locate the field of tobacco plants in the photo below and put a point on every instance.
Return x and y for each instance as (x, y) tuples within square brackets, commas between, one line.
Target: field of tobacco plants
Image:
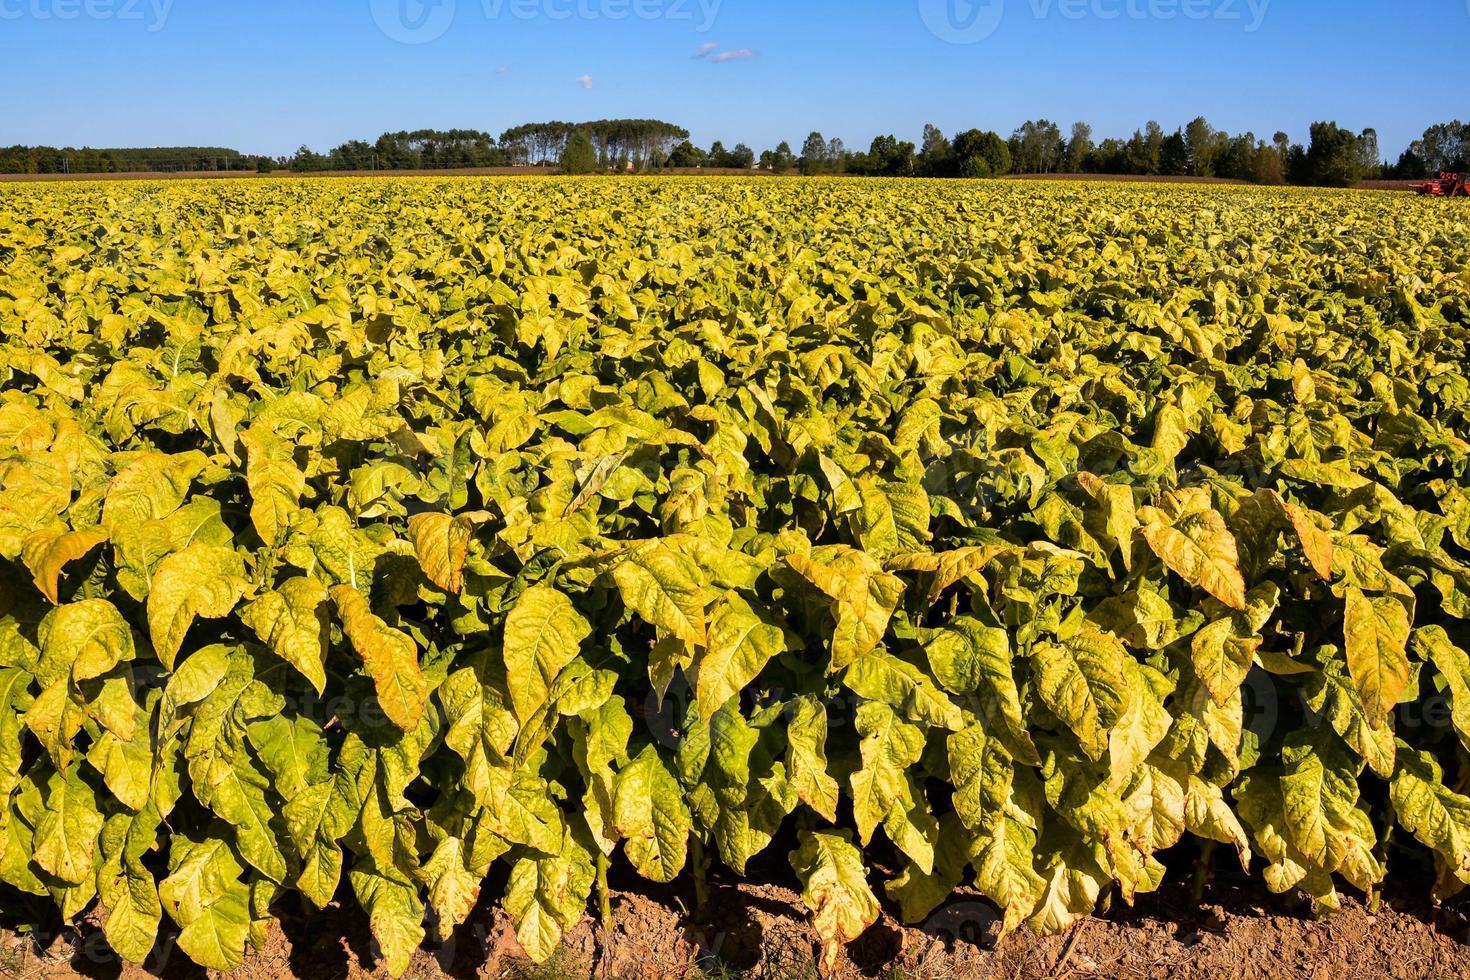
[(366, 541)]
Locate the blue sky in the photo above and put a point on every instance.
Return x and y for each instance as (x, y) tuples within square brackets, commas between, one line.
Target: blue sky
[(270, 75)]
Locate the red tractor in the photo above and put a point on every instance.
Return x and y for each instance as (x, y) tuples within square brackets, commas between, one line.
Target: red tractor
[(1448, 185)]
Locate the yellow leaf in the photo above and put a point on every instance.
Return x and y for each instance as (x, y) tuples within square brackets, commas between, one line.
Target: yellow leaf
[(202, 580), (48, 551), (835, 888), (1201, 550), (390, 657), (442, 544), (1377, 635)]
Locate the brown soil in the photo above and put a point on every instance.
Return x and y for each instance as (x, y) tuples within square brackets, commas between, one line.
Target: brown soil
[(761, 932)]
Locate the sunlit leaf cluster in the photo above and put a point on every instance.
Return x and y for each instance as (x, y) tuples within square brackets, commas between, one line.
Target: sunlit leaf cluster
[(357, 537)]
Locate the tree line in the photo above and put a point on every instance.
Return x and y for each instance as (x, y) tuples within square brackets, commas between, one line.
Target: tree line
[(1330, 156), (87, 160)]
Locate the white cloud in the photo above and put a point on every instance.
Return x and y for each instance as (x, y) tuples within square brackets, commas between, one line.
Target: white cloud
[(706, 49), (585, 81), (740, 55), (502, 70)]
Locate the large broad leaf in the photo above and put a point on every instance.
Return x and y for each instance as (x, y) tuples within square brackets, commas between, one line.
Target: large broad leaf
[(395, 912), (862, 595), (1436, 815), (740, 646), (204, 895), (835, 888), (1377, 635), (1084, 683), (890, 746), (200, 581), (390, 657), (82, 641), (442, 543), (543, 633), (66, 834), (806, 758), (879, 676), (665, 589), (547, 896), (47, 552), (293, 621), (1200, 549), (651, 815)]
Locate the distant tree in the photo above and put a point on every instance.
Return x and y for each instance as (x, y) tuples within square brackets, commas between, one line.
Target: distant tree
[(307, 161), (836, 156), (1079, 147), (1037, 147), (742, 157), (814, 154), (1174, 155), (1269, 165), (891, 157), (783, 160), (1410, 166), (687, 155), (1334, 157), (936, 156), (1200, 142), (1150, 157), (1372, 156), (1444, 146), (1282, 143), (580, 156), (981, 154)]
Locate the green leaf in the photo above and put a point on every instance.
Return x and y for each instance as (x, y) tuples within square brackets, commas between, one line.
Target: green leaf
[(204, 895), (650, 813), (665, 589), (293, 621), (1436, 815), (1377, 634), (82, 641), (1083, 682), (863, 598), (543, 634), (200, 581), (66, 834), (806, 758), (547, 896), (395, 912), (740, 646), (890, 746)]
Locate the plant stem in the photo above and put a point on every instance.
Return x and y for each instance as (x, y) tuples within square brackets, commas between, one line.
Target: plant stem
[(1203, 869), (701, 880), (604, 897)]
